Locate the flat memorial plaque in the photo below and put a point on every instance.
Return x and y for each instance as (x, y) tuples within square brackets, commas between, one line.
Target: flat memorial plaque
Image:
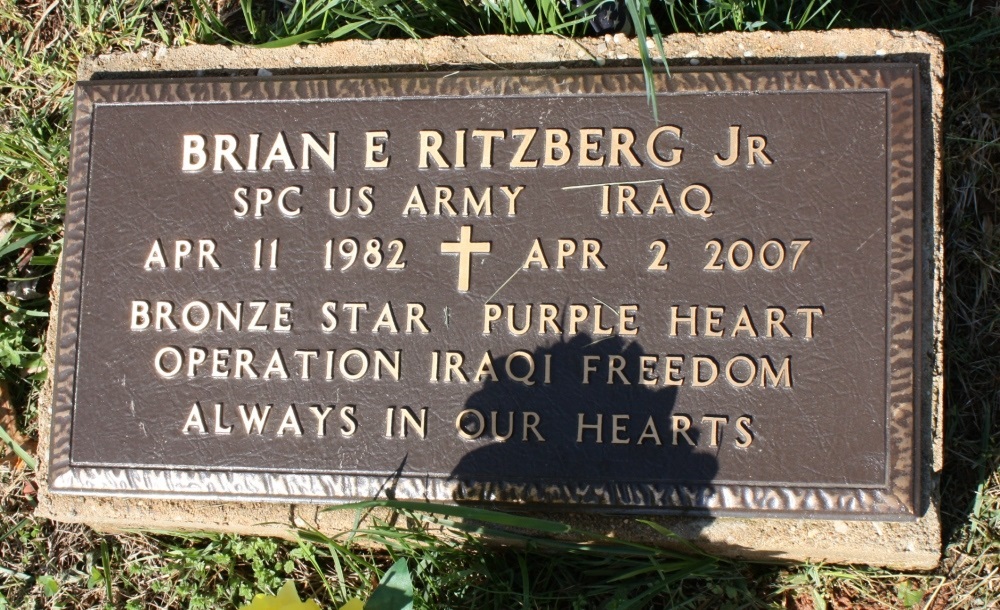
[(501, 287)]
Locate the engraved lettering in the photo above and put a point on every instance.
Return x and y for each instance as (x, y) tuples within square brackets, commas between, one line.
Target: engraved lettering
[(375, 155)]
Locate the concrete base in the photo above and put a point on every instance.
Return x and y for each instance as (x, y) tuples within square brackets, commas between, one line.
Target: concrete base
[(909, 545)]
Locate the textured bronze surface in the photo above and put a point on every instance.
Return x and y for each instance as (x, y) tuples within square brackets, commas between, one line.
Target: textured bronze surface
[(791, 392)]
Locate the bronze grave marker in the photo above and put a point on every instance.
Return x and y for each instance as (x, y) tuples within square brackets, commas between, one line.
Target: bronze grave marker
[(503, 287)]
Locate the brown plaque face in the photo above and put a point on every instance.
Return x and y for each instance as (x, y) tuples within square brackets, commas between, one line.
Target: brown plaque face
[(501, 287)]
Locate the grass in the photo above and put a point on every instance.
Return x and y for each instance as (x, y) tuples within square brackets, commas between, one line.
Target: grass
[(44, 564)]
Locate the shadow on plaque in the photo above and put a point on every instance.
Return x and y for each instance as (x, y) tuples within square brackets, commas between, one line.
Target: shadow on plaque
[(601, 441)]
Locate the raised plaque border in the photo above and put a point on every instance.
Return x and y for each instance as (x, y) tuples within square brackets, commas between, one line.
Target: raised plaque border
[(897, 500)]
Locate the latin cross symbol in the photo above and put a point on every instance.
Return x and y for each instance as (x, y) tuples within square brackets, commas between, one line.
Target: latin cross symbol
[(465, 248)]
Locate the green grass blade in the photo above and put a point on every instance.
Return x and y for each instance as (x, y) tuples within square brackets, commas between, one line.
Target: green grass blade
[(291, 40), (464, 512), (14, 530), (688, 546), (344, 30), (638, 11), (16, 448), (17, 244), (106, 563)]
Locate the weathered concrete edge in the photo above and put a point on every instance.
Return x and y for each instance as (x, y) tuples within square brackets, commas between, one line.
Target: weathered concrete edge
[(911, 545)]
